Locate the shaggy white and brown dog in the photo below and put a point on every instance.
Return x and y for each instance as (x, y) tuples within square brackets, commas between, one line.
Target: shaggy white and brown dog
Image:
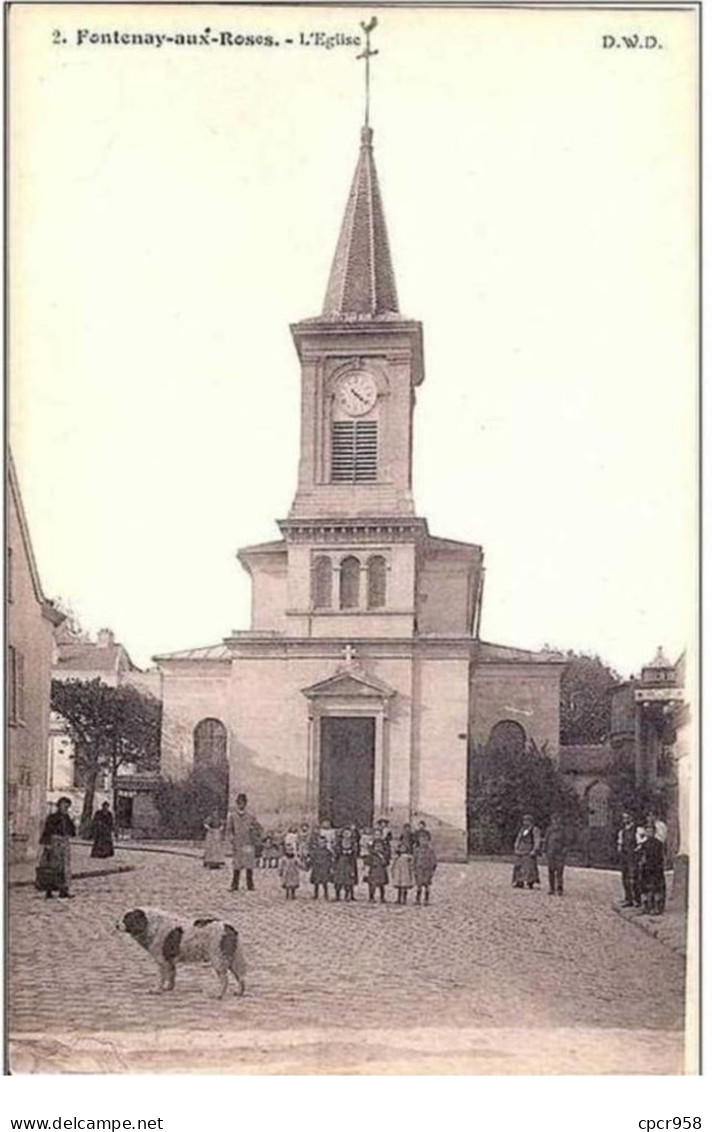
[(170, 939)]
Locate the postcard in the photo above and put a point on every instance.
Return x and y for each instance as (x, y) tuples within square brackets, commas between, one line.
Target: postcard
[(352, 521)]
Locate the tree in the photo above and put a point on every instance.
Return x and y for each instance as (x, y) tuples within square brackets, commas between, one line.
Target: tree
[(505, 783), (71, 628), (184, 806), (586, 691), (110, 727)]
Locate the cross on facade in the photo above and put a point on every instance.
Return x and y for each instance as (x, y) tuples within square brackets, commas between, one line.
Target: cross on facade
[(368, 54), (349, 654)]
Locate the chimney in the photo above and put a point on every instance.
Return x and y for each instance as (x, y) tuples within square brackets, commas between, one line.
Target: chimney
[(105, 639)]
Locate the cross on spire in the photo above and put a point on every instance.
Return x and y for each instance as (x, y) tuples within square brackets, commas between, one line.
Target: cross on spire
[(361, 282), (367, 54)]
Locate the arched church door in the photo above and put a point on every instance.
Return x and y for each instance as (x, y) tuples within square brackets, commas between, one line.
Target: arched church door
[(210, 759)]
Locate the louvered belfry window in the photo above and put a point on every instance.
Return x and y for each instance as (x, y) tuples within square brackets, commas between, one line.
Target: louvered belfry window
[(354, 451)]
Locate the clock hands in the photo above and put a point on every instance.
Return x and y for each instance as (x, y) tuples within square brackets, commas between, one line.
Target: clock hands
[(357, 394)]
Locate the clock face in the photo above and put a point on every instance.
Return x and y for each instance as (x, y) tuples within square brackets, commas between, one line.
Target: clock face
[(356, 393)]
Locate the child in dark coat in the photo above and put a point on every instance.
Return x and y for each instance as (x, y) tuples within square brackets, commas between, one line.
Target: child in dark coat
[(345, 866), (376, 862), (424, 865), (321, 862)]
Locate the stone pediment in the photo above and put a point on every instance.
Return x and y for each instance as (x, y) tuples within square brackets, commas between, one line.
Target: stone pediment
[(353, 683)]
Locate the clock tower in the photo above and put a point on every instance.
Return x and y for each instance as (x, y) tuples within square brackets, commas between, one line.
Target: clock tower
[(361, 361)]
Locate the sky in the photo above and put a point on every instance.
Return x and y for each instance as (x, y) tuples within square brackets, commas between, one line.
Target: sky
[(173, 209)]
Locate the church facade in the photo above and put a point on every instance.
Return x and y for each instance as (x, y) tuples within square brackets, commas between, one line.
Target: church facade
[(362, 679)]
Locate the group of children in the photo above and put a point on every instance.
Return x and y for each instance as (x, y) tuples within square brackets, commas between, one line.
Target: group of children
[(331, 857)]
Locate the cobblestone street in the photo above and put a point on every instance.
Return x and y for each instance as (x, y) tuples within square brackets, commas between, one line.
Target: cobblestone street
[(542, 984)]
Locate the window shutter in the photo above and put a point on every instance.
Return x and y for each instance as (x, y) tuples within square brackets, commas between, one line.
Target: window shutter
[(354, 451), (350, 583), (376, 582), (321, 582), (11, 685), (19, 686)]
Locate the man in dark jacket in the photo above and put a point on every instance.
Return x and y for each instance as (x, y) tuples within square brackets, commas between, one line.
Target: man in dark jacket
[(555, 849), (652, 872)]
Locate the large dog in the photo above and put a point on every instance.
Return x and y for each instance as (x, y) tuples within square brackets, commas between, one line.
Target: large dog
[(171, 940)]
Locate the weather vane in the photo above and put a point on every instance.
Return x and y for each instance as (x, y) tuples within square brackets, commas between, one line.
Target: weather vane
[(367, 54)]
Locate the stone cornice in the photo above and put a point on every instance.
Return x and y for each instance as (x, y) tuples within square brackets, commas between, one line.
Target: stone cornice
[(332, 648), (351, 531)]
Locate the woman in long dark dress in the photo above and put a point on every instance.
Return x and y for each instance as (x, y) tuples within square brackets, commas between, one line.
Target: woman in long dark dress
[(526, 848), (54, 870), (102, 829)]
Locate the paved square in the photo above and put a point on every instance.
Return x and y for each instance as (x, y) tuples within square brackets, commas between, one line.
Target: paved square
[(486, 979)]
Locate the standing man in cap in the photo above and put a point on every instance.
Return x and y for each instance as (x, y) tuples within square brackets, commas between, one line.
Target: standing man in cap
[(243, 831)]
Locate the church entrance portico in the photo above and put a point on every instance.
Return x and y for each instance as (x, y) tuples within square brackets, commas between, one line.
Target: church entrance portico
[(347, 769), (348, 748)]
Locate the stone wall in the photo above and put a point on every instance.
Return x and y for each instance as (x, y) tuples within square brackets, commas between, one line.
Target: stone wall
[(29, 633), (191, 692), (526, 693)]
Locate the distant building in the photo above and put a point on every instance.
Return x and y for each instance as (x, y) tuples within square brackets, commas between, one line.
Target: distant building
[(78, 657), (31, 620), (590, 768), (644, 718), (646, 758)]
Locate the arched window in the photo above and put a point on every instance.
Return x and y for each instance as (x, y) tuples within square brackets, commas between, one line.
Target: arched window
[(349, 583), (321, 582), (376, 581), (210, 743), (210, 760), (507, 738)]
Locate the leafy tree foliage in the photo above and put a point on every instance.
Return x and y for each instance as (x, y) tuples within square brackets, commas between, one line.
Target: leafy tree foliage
[(586, 690), (109, 727), (506, 782)]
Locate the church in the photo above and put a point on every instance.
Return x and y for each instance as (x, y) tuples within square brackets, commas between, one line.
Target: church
[(362, 681)]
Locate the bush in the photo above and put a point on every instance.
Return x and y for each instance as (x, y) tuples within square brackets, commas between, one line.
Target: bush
[(184, 806), (503, 785)]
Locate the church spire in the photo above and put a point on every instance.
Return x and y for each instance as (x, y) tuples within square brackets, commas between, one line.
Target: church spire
[(361, 283)]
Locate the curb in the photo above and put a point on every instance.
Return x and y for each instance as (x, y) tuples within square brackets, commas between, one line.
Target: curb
[(193, 853), (80, 876), (644, 924)]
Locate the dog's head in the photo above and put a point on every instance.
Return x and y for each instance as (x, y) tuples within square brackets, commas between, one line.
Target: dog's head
[(135, 923)]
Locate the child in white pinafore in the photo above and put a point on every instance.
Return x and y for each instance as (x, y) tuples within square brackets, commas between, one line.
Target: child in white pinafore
[(402, 877), (289, 873)]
